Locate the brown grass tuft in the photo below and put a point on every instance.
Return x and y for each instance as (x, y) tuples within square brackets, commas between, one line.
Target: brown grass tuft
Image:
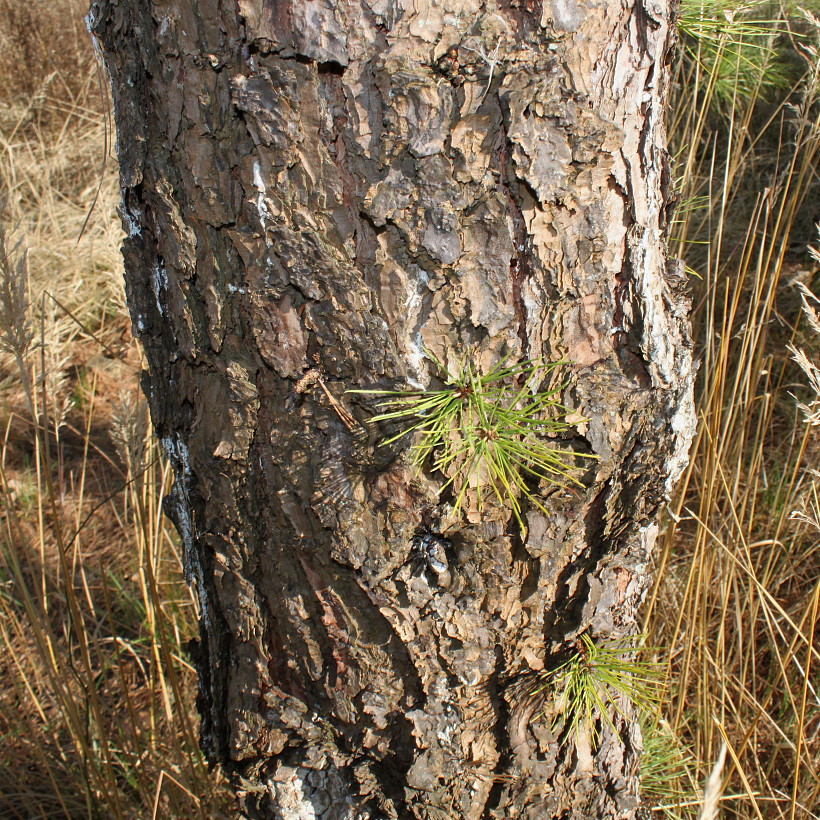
[(96, 691), (737, 576)]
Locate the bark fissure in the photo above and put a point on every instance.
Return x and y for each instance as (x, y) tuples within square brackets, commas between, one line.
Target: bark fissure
[(521, 267)]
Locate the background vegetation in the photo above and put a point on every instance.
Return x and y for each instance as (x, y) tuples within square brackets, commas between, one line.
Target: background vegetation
[(96, 691)]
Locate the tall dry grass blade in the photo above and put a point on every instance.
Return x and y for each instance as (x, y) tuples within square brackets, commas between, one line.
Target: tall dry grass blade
[(102, 700), (735, 589)]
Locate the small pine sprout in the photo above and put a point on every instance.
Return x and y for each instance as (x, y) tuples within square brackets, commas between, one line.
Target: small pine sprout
[(668, 774), (588, 686), (484, 432)]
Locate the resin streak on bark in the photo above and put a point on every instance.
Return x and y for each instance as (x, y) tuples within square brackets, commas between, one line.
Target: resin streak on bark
[(349, 183)]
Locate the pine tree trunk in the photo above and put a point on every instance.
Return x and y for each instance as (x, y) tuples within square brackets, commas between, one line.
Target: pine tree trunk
[(342, 186)]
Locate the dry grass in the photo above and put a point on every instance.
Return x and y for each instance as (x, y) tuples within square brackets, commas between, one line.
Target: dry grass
[(96, 713), (39, 39), (96, 692), (736, 598)]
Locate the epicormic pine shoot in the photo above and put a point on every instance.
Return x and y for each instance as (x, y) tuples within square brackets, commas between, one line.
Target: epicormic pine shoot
[(492, 432), (588, 686)]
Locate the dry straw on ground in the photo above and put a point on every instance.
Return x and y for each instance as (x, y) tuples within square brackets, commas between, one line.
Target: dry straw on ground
[(96, 690)]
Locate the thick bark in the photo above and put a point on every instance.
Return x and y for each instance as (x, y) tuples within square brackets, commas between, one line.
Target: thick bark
[(347, 183)]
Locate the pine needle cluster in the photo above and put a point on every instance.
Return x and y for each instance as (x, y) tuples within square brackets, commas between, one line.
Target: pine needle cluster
[(494, 432), (589, 687), (734, 46)]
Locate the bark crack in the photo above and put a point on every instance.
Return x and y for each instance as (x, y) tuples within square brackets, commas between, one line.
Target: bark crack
[(521, 267)]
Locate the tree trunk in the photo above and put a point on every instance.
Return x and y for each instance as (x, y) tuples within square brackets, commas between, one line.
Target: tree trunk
[(344, 185)]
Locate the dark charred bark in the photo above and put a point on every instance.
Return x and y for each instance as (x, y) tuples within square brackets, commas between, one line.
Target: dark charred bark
[(344, 184)]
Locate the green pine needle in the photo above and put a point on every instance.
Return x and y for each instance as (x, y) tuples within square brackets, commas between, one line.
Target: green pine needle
[(487, 432), (734, 49), (668, 779), (588, 686)]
